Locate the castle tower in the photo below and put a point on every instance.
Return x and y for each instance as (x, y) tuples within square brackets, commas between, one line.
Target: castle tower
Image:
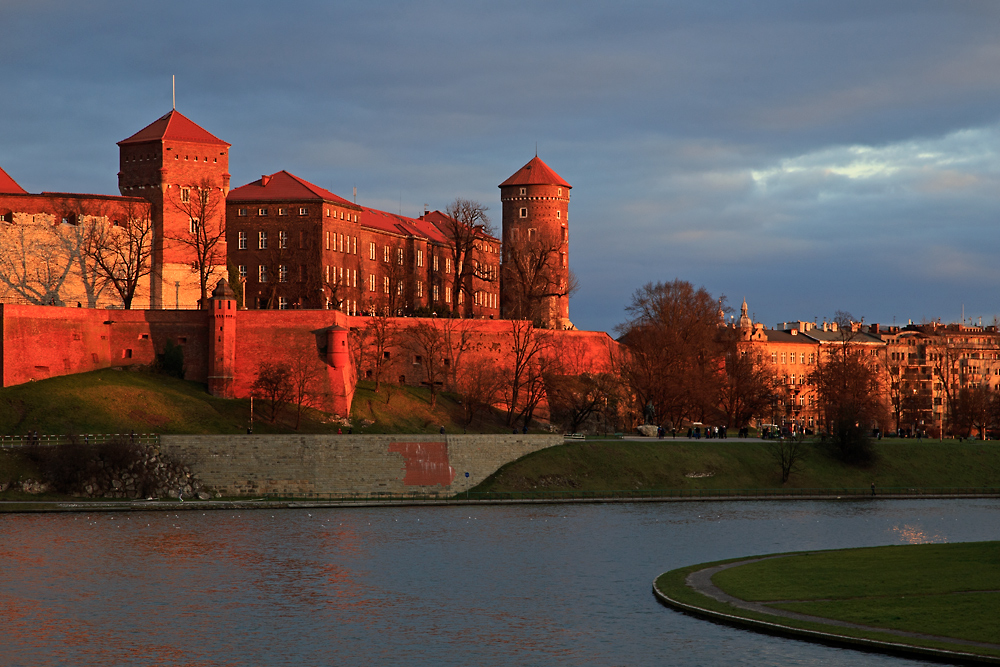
[(183, 171), (535, 272), (222, 341)]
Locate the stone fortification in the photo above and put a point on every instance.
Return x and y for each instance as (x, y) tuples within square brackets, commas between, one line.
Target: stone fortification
[(348, 465)]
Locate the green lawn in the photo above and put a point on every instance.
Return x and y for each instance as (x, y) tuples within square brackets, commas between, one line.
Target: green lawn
[(944, 590), (950, 590), (667, 464)]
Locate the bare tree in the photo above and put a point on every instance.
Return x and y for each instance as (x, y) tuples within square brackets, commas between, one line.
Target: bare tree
[(371, 345), (674, 359), (426, 343), (274, 385), (466, 226), (203, 205), (525, 383), (456, 339), (120, 249), (34, 264), (750, 382), (849, 388), (304, 375), (789, 454), (480, 386), (532, 273)]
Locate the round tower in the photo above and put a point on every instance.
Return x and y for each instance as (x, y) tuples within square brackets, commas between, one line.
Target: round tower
[(535, 272), (222, 341)]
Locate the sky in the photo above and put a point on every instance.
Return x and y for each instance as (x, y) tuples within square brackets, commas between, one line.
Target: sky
[(810, 157)]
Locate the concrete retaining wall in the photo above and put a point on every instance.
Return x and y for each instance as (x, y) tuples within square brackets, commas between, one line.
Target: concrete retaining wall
[(346, 465)]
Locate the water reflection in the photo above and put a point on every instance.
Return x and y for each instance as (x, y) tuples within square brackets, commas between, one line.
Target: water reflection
[(487, 585)]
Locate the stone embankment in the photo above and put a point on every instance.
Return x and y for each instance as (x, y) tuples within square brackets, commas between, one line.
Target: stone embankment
[(348, 465)]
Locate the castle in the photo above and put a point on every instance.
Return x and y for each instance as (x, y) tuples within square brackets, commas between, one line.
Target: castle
[(277, 269)]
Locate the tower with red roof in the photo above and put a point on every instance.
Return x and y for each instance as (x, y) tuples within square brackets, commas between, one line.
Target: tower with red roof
[(183, 171), (535, 214)]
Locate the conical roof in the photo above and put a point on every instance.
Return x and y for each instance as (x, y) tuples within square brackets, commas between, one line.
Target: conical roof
[(535, 172), (173, 126)]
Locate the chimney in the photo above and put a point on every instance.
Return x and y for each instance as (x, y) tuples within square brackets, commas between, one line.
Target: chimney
[(264, 180)]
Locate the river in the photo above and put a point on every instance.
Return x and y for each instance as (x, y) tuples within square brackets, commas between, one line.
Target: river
[(484, 585)]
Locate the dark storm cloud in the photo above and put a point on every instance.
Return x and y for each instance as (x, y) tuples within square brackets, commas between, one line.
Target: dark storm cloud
[(809, 156)]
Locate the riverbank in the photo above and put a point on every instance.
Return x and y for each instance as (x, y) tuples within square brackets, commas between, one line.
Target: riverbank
[(926, 600), (747, 465)]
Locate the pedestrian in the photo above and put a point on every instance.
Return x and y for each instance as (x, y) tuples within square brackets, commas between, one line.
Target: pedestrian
[(442, 429), (873, 488)]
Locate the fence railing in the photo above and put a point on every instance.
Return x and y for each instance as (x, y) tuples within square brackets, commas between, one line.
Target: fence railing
[(639, 495), (44, 439)]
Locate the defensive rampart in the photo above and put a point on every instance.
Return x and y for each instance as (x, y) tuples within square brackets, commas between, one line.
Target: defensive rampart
[(349, 465)]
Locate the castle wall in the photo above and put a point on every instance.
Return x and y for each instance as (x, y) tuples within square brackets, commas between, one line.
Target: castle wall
[(349, 465)]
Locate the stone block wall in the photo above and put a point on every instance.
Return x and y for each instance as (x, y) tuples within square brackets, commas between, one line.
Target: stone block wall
[(348, 465)]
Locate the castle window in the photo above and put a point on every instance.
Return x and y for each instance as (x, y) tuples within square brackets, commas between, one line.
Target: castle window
[(371, 283), (282, 211), (564, 234), (283, 274), (282, 239), (447, 296), (385, 254), (524, 212), (558, 214), (399, 256), (262, 211), (435, 293), (340, 238), (303, 211), (194, 225), (560, 192), (262, 274), (341, 215), (435, 262), (447, 265), (420, 288), (262, 241), (385, 285), (522, 191), (531, 234), (243, 271), (282, 303), (242, 212), (354, 246), (420, 258), (243, 240), (371, 250), (185, 195), (328, 240)]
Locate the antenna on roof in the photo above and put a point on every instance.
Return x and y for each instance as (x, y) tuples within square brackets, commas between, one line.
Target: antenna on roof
[(536, 149), (173, 91)]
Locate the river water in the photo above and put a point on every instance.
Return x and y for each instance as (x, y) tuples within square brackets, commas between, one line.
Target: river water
[(488, 585)]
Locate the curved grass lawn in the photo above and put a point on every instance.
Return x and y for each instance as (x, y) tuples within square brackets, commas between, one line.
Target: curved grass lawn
[(939, 592)]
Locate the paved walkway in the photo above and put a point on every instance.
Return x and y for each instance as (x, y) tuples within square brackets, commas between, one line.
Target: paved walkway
[(701, 581)]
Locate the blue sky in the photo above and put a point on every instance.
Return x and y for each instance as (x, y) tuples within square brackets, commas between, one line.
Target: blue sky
[(811, 157)]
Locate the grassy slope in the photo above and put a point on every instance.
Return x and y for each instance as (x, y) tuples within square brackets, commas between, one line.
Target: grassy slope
[(119, 401), (663, 464), (948, 590)]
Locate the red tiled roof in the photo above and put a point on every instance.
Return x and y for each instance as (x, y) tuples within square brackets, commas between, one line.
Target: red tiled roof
[(8, 186), (176, 127), (441, 222), (283, 186), (535, 172)]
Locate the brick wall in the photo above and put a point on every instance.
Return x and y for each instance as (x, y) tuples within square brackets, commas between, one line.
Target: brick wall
[(347, 465)]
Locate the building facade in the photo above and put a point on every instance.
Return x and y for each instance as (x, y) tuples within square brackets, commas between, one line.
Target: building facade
[(296, 245)]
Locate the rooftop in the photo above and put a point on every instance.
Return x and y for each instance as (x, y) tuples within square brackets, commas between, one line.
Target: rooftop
[(535, 172), (173, 126)]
